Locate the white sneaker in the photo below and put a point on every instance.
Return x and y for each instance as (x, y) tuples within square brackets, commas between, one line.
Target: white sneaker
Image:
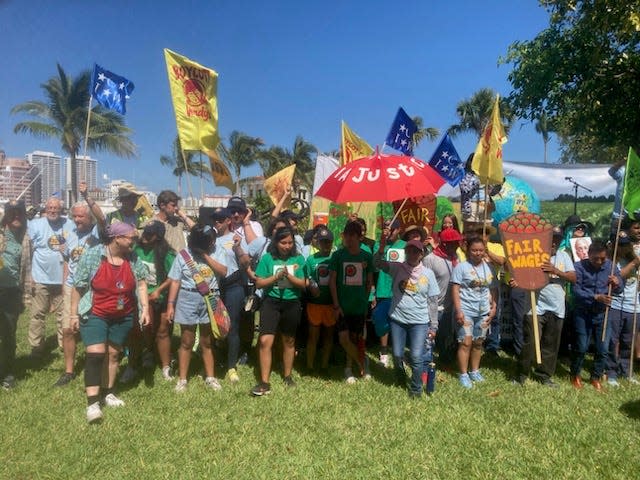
[(212, 383), (233, 376), (384, 360), (129, 375), (112, 401), (181, 386), (94, 412), (166, 373), (348, 376), (613, 382)]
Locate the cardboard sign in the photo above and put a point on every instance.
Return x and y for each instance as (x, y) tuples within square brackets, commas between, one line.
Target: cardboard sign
[(419, 211), (526, 238)]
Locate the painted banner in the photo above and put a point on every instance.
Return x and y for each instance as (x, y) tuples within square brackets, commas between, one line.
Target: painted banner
[(419, 211), (279, 183)]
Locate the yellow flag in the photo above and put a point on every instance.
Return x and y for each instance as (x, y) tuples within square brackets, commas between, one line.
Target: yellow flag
[(487, 159), (353, 147), (195, 102), (219, 171), (279, 183)]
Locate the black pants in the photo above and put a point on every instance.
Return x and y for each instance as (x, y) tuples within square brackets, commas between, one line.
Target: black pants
[(550, 328), (10, 309), (520, 305)]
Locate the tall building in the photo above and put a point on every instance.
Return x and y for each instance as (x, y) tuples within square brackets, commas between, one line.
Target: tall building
[(16, 175), (48, 175), (86, 170)]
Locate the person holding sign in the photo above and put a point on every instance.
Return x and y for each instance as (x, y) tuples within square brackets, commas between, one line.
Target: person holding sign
[(624, 307), (550, 308), (474, 294), (280, 273), (591, 297)]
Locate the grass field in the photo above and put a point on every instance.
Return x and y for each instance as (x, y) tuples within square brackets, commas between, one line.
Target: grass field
[(320, 429), (595, 212)]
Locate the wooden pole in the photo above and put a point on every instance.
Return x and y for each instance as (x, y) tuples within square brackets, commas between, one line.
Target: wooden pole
[(86, 140), (613, 269), (536, 327)]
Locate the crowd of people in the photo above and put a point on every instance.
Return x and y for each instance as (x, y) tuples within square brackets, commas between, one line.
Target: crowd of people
[(120, 282)]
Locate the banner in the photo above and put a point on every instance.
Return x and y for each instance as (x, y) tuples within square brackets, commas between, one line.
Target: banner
[(277, 185), (194, 94), (219, 171), (353, 147), (419, 211), (401, 134), (110, 90), (631, 195), (487, 159), (446, 161)]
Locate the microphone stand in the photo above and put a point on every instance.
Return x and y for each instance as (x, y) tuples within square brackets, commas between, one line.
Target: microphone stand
[(576, 185)]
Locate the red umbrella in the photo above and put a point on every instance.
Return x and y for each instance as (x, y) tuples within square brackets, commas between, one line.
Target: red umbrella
[(381, 178)]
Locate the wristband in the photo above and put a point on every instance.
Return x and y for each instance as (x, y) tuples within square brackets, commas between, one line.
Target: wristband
[(171, 302)]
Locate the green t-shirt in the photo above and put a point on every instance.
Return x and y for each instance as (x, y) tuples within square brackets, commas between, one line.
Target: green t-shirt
[(317, 267), (148, 258), (282, 289), (392, 253), (11, 257), (351, 280)]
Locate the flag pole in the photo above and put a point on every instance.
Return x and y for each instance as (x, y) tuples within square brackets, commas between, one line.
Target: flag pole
[(613, 269), (186, 172), (201, 179), (633, 328)]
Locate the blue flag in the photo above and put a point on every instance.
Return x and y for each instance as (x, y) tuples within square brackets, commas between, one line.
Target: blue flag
[(401, 134), (446, 161), (110, 90)]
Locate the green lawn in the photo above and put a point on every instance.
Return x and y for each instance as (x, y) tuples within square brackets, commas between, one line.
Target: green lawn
[(321, 429)]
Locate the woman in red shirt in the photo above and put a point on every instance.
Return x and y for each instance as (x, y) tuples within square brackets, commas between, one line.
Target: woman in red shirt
[(112, 283)]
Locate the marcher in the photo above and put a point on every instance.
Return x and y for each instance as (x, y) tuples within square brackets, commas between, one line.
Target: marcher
[(624, 307), (110, 295), (14, 270), (84, 236), (393, 252), (350, 283), (319, 308), (593, 277), (175, 221), (550, 309), (48, 236), (156, 253), (280, 273), (413, 311), (194, 278), (474, 298)]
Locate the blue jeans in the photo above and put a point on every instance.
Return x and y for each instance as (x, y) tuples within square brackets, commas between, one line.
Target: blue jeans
[(233, 298), (588, 322), (416, 334)]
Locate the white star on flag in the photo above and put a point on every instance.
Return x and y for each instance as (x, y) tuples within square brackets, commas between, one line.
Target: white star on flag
[(101, 77), (445, 155), (403, 128), (403, 142), (445, 168), (121, 86), (106, 92)]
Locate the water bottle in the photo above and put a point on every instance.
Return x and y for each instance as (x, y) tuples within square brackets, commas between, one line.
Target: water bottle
[(431, 378)]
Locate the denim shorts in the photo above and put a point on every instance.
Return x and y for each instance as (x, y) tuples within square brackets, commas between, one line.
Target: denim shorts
[(473, 327)]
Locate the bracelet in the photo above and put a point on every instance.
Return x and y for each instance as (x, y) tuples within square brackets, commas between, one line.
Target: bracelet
[(171, 302)]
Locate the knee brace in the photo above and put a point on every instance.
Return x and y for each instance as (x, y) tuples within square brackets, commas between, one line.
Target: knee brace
[(93, 369)]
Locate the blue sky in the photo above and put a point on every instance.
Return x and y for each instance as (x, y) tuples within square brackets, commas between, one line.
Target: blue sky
[(285, 68)]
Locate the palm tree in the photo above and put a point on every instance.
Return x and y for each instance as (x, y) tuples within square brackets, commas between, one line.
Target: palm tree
[(177, 161), (422, 132), (544, 127), (276, 158), (474, 114), (242, 151), (63, 115)]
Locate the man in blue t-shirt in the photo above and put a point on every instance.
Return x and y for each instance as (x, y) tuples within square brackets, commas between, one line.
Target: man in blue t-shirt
[(48, 236)]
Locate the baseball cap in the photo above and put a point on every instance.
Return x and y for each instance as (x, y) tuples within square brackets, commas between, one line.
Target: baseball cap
[(236, 204), (414, 243), (324, 234)]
